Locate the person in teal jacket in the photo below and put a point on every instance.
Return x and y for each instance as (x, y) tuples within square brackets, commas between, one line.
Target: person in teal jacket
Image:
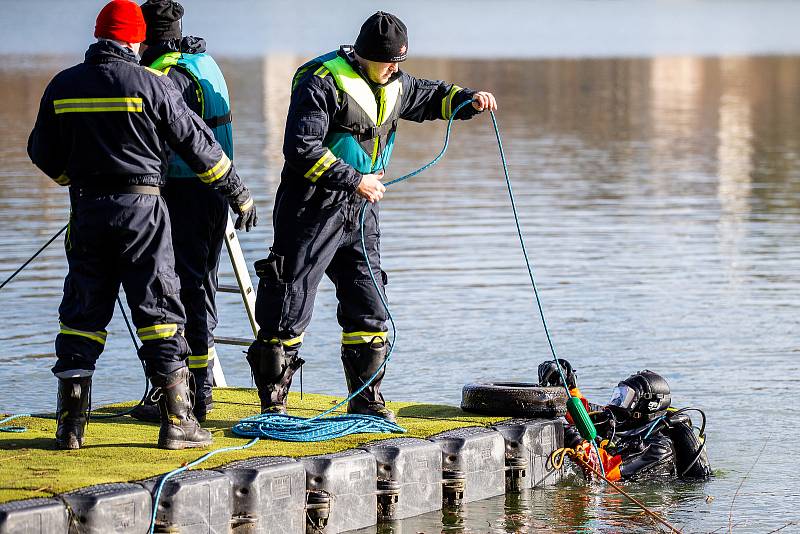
[(340, 131), (198, 215)]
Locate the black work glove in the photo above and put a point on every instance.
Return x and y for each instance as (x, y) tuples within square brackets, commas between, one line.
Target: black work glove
[(245, 208), (549, 376)]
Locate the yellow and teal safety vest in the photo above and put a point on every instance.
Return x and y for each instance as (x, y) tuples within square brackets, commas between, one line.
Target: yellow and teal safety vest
[(212, 91), (363, 134)]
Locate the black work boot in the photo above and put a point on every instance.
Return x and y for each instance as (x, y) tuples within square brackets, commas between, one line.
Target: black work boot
[(179, 427), (72, 411), (360, 362), (149, 412), (273, 366)]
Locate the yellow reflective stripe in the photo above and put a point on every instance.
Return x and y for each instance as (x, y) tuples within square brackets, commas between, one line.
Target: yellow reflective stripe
[(288, 342), (99, 336), (158, 331), (217, 171), (247, 205), (353, 338), (322, 71), (154, 71), (62, 180), (447, 102), (198, 362), (87, 105), (320, 166)]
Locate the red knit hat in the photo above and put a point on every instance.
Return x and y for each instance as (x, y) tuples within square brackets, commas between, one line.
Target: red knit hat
[(120, 20)]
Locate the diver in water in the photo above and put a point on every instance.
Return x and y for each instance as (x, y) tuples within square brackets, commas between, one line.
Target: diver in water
[(641, 435)]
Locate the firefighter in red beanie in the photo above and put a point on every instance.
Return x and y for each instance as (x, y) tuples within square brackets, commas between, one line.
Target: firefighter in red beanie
[(103, 128)]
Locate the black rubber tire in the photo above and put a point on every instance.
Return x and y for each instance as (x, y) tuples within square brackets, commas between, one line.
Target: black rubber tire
[(514, 399)]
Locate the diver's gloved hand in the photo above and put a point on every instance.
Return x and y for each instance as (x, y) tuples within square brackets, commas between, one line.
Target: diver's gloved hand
[(549, 375), (245, 208)]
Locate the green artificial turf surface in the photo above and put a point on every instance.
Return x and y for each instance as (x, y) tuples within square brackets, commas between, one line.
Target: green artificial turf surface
[(124, 449)]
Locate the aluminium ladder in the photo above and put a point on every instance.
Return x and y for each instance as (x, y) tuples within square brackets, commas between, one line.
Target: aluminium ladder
[(244, 286)]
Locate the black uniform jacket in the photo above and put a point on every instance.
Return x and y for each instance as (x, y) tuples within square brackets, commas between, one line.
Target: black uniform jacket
[(313, 110), (107, 122)]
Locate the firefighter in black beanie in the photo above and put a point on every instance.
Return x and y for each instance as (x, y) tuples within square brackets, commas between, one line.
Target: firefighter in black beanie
[(340, 130)]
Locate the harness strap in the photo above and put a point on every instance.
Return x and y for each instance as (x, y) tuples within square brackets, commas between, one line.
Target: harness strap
[(220, 120)]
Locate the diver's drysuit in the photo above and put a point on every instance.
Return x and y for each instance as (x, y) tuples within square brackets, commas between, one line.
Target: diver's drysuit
[(641, 435)]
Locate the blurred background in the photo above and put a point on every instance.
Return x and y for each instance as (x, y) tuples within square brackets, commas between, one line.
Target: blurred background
[(654, 149)]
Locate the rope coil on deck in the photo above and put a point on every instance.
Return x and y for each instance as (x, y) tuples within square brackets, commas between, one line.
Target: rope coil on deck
[(13, 428), (293, 428)]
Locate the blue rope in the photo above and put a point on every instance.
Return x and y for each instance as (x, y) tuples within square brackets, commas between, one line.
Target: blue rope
[(160, 487), (12, 428), (292, 428), (525, 253)]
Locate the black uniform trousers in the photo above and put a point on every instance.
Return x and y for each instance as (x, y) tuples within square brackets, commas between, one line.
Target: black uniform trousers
[(198, 215), (313, 236), (113, 239)]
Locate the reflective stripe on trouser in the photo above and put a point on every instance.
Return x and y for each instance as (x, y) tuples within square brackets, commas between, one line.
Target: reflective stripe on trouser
[(356, 338), (202, 361), (327, 242), (120, 239)]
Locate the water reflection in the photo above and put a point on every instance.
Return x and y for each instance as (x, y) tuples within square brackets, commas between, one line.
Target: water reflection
[(660, 198)]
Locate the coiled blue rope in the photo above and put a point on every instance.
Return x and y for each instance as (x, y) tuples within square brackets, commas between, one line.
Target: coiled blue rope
[(13, 428)]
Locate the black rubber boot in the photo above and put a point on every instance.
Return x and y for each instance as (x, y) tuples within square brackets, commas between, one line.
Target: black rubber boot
[(149, 412), (360, 362), (179, 427), (273, 366), (72, 411)]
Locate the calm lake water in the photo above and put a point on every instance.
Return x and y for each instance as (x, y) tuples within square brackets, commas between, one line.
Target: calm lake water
[(660, 198)]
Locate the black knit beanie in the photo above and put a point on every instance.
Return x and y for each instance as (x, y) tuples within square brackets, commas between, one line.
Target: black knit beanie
[(163, 20), (383, 38)]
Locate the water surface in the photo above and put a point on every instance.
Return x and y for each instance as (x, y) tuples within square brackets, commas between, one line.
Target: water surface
[(660, 199)]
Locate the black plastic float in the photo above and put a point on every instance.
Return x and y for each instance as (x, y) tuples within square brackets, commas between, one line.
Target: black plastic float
[(528, 445), (478, 453), (119, 507), (33, 516), (269, 495), (350, 476), (409, 477), (193, 502)]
